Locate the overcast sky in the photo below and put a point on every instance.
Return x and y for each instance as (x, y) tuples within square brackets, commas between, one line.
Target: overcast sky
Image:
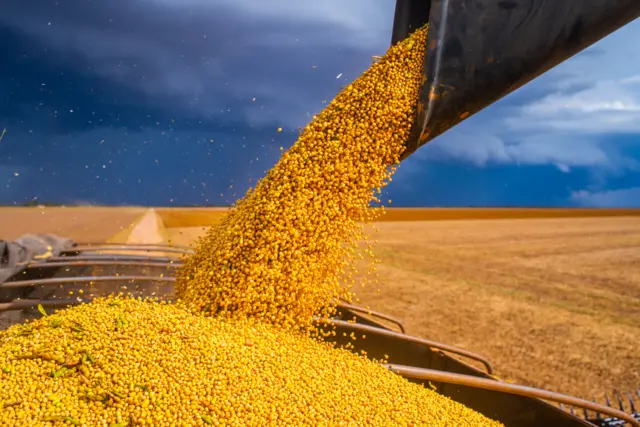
[(163, 101)]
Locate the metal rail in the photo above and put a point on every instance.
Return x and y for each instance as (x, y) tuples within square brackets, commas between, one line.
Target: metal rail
[(58, 264), (611, 422), (141, 248), (377, 314), (113, 257), (134, 245), (63, 280), (495, 385), (388, 333)]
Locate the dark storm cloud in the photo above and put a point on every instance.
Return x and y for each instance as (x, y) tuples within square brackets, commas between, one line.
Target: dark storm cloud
[(199, 60), (457, 184), (50, 96), (150, 101)]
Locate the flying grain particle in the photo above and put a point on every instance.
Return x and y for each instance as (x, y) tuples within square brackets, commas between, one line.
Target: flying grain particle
[(338, 76)]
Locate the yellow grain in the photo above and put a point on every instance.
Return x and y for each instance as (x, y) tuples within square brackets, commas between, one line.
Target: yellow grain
[(288, 249), (164, 366)]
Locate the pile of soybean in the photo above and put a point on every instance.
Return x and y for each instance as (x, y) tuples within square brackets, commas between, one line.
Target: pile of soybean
[(236, 349), (125, 362)]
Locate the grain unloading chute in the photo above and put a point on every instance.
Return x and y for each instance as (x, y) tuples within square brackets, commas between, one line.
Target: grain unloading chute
[(479, 51)]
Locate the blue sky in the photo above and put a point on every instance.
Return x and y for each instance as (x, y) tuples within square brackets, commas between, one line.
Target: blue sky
[(156, 102)]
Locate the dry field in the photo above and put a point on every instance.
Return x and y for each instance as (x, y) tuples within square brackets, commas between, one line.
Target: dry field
[(190, 217), (438, 214), (196, 217), (553, 303), (83, 224)]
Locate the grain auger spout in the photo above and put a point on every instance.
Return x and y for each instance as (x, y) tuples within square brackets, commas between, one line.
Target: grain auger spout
[(478, 51)]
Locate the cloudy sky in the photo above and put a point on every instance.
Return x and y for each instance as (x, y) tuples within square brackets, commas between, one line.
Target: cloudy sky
[(163, 101)]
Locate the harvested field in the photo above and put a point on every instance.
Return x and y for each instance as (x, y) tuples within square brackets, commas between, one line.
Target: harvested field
[(196, 217), (553, 303), (83, 224), (190, 217), (183, 235), (438, 214)]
